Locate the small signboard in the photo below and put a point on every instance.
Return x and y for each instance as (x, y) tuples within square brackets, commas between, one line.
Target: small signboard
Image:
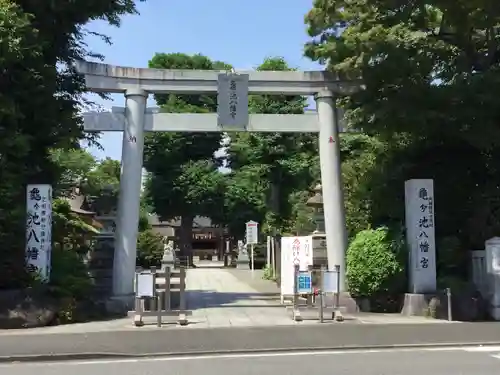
[(252, 233), (232, 101), (330, 282), (304, 282), (145, 285)]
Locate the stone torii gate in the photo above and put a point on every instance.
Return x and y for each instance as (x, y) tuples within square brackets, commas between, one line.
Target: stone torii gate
[(133, 120)]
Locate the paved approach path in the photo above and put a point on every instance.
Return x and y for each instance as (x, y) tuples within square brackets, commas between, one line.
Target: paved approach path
[(217, 297)]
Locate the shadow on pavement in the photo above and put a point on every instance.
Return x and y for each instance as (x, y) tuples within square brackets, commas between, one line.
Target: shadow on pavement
[(200, 299)]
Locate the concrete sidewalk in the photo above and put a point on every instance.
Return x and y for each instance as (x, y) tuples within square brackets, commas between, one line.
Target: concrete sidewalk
[(151, 342), (235, 311)]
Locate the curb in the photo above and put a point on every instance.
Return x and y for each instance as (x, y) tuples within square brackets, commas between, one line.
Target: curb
[(53, 357)]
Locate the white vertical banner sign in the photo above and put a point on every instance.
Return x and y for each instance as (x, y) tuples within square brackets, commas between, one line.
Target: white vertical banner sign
[(39, 230), (420, 235), (232, 101), (294, 250)]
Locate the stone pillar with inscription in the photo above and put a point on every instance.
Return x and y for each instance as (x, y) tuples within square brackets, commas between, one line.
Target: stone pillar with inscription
[(420, 237), (39, 230)]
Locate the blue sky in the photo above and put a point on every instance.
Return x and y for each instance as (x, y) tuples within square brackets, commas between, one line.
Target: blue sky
[(241, 33)]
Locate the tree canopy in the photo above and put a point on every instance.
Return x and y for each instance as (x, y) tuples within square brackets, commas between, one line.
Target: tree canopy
[(40, 99), (268, 167), (429, 66), (428, 107), (183, 178)]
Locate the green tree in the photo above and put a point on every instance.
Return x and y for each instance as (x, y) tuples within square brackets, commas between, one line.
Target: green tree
[(39, 103), (184, 180), (279, 161), (429, 70), (18, 42), (105, 175), (75, 165)]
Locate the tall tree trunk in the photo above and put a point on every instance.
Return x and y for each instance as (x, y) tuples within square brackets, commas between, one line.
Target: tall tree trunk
[(186, 240)]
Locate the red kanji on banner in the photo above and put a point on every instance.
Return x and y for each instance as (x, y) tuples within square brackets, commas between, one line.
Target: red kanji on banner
[(330, 140), (295, 251)]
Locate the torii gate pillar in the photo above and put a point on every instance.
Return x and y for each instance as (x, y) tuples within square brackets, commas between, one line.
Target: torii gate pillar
[(130, 192)]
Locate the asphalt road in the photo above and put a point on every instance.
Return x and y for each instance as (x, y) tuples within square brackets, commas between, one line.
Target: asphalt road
[(223, 340), (393, 362)]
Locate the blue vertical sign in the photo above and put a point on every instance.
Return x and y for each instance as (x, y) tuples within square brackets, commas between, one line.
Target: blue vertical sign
[(304, 282)]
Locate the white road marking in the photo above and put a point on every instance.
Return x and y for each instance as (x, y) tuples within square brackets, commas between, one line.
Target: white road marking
[(486, 348), (250, 355)]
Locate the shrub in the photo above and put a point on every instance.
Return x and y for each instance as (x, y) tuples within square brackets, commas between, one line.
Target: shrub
[(376, 263), (69, 275), (70, 284), (149, 249), (268, 273)]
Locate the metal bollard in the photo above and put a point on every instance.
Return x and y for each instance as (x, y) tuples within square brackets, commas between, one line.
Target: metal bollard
[(182, 298), (448, 297), (296, 312), (321, 294)]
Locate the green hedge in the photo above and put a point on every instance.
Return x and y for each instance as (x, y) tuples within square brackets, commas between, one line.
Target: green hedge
[(376, 261)]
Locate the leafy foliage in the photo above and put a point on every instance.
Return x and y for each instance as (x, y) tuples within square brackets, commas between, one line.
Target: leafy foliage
[(184, 180), (149, 249), (376, 263), (278, 163), (71, 240), (429, 67), (39, 103)]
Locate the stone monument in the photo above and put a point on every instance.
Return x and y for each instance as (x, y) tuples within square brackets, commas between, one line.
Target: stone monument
[(420, 238)]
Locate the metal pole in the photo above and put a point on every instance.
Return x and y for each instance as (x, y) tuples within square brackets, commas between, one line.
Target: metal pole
[(273, 261), (331, 182), (337, 295), (296, 312), (268, 252), (251, 257), (320, 293), (183, 301), (130, 193), (448, 297)]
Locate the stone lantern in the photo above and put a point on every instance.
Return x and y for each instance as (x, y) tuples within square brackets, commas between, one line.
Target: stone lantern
[(316, 202), (318, 236)]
